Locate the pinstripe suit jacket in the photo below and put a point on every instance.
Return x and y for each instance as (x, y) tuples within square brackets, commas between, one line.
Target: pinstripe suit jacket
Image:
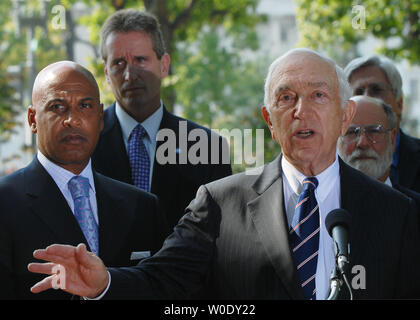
[(233, 243)]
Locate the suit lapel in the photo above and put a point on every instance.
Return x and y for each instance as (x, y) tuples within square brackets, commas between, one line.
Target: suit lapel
[(114, 156), (48, 203), (354, 196), (162, 173), (269, 218), (114, 220)]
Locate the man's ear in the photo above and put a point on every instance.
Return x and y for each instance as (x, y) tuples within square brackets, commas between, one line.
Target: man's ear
[(101, 114), (105, 70), (400, 104), (266, 115), (32, 119), (165, 62), (394, 137), (349, 112)]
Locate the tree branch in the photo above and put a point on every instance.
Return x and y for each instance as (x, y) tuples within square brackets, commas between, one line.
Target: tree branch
[(216, 13), (183, 17), (88, 43)]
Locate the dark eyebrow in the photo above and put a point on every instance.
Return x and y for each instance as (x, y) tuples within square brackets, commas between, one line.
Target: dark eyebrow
[(87, 98), (48, 102)]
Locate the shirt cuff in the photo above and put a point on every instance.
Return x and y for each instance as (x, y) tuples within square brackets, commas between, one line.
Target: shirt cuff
[(104, 292)]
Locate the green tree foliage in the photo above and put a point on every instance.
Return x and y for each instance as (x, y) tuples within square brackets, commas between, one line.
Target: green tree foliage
[(181, 21), (219, 88), (21, 31), (8, 104), (209, 78), (337, 26)]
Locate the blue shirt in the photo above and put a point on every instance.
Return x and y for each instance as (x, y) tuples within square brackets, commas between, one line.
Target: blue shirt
[(327, 195), (62, 176)]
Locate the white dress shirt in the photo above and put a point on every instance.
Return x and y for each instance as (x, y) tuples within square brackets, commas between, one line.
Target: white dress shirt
[(327, 195), (151, 125), (62, 176)]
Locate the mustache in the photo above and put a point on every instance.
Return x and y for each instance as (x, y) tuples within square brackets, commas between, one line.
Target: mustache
[(357, 153), (71, 133)]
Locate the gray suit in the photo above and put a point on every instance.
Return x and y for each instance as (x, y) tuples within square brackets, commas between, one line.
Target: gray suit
[(233, 243)]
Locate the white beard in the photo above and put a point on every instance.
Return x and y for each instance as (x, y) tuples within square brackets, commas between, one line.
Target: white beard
[(374, 168)]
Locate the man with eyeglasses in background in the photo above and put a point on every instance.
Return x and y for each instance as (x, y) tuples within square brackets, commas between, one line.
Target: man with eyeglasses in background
[(369, 142), (377, 77)]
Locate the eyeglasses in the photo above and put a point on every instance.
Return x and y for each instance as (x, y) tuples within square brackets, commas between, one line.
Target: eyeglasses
[(374, 133)]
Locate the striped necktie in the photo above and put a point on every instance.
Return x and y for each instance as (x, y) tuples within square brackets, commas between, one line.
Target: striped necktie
[(139, 158), (304, 236), (79, 189)]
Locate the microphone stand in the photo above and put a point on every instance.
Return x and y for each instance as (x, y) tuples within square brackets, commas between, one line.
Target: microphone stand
[(335, 285), (338, 277)]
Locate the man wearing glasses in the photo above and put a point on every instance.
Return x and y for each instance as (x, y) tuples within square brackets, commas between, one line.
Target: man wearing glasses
[(369, 142), (377, 77)]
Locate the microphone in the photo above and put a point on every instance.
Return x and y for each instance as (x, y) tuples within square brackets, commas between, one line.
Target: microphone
[(338, 223)]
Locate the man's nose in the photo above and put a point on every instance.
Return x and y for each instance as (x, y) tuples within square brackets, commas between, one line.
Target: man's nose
[(302, 108), (72, 119), (131, 72), (363, 141)]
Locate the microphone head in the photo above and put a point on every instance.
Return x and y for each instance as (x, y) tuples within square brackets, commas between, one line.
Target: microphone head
[(337, 217)]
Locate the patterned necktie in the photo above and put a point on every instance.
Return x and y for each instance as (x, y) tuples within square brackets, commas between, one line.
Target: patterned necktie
[(304, 236), (139, 158), (79, 189)]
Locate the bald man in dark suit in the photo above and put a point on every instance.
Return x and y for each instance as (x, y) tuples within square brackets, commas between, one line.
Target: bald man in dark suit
[(39, 205)]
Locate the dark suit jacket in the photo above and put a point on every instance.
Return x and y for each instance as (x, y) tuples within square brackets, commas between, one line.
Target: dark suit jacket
[(35, 214), (235, 238), (409, 163), (413, 195), (174, 184)]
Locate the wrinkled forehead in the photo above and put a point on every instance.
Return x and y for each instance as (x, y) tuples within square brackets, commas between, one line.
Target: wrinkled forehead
[(302, 70), (369, 112)]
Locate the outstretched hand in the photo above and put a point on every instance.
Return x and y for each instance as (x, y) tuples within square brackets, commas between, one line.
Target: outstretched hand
[(72, 269)]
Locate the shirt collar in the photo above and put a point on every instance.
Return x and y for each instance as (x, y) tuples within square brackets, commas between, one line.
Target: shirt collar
[(128, 123), (62, 176), (326, 178)]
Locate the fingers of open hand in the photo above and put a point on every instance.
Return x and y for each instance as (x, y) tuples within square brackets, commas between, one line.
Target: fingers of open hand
[(42, 268), (56, 280)]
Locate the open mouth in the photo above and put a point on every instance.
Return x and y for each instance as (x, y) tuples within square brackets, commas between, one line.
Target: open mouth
[(305, 133)]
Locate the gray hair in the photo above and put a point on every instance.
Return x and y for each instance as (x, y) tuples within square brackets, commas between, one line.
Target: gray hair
[(383, 63), (389, 112), (128, 20), (343, 85)]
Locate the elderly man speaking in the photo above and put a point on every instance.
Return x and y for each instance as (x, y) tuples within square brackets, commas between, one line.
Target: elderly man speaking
[(263, 236)]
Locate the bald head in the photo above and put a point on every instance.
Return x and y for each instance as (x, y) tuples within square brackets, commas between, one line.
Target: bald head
[(370, 102), (368, 145), (302, 54), (59, 72), (66, 114)]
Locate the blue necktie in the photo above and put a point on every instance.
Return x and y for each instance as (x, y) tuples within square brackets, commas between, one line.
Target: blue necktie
[(304, 236), (139, 158), (79, 189)]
